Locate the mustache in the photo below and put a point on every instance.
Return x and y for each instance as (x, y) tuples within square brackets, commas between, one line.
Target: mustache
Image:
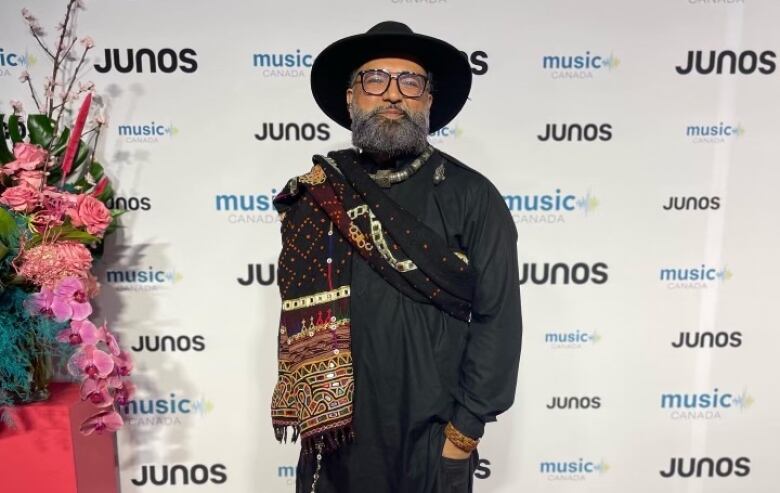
[(391, 106)]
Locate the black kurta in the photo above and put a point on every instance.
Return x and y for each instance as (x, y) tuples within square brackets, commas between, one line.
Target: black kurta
[(416, 367)]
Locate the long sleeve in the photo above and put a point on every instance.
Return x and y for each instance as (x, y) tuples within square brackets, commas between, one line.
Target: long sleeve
[(490, 365)]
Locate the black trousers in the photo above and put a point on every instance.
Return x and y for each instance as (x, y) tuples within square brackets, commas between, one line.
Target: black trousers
[(457, 475), (452, 476)]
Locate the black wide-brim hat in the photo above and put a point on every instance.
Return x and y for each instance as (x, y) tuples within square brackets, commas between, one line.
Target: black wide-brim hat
[(450, 68)]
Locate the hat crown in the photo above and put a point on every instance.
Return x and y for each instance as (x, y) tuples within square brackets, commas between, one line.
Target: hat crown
[(390, 27)]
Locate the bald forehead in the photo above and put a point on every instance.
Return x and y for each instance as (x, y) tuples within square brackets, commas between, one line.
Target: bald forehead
[(393, 65)]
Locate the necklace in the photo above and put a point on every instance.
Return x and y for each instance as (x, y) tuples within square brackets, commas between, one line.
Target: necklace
[(385, 177)]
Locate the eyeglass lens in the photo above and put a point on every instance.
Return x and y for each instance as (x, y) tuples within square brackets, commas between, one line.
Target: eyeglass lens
[(376, 82)]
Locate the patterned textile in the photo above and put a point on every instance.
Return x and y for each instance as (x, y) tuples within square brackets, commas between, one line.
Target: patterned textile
[(327, 214)]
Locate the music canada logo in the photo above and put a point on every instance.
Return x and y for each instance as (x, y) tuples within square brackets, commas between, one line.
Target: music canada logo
[(702, 277), (172, 410), (579, 66), (550, 208), (445, 133), (146, 60), (283, 64), (714, 133), (151, 278), (247, 208), (146, 133), (12, 61), (573, 470), (176, 474), (264, 275), (705, 405), (728, 62), (572, 339)]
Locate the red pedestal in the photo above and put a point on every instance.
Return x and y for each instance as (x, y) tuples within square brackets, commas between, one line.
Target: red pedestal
[(46, 453)]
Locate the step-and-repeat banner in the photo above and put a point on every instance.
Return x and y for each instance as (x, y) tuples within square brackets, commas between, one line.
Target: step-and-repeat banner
[(636, 144)]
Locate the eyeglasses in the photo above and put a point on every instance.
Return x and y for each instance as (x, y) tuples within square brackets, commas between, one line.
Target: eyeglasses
[(376, 82)]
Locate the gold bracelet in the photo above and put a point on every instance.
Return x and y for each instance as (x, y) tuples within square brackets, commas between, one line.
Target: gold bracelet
[(463, 442)]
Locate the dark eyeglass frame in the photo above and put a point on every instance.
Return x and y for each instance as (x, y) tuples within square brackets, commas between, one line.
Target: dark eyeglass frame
[(397, 76)]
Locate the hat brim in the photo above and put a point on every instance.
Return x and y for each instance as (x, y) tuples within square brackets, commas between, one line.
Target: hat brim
[(450, 68)]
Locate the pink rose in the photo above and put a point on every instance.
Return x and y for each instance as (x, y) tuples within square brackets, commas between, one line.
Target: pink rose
[(90, 213), (28, 156), (54, 205), (32, 178), (21, 198)]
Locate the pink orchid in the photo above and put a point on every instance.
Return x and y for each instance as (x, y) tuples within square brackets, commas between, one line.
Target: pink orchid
[(70, 300), (40, 303), (17, 106), (123, 364), (102, 421), (123, 390), (90, 361), (80, 332), (109, 339), (97, 392)]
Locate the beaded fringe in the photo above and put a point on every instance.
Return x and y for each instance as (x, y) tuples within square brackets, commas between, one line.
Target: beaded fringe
[(331, 439)]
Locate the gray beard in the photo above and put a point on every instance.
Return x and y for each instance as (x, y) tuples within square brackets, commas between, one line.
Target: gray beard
[(405, 136)]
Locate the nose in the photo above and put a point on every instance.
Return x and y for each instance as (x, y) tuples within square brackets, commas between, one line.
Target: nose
[(393, 93)]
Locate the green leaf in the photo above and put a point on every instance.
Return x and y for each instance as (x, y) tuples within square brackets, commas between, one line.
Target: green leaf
[(81, 156), (3, 250), (108, 193), (95, 171), (115, 224), (65, 232), (41, 129), (80, 236), (62, 142), (7, 224), (6, 156), (13, 129)]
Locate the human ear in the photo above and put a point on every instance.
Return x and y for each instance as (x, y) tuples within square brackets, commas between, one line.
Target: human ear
[(350, 95)]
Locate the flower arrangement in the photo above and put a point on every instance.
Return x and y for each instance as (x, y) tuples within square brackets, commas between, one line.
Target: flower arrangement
[(53, 224)]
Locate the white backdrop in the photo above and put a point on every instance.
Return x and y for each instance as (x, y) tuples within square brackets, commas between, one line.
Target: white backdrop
[(200, 219)]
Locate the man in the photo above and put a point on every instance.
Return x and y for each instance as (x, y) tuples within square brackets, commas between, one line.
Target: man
[(400, 329)]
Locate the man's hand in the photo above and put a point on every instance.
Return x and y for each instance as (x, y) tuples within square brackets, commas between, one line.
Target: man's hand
[(450, 451)]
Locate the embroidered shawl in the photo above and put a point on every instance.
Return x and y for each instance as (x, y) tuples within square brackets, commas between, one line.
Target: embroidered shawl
[(328, 215)]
